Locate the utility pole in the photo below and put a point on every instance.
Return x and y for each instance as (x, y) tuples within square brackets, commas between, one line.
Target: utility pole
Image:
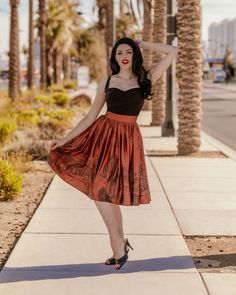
[(168, 127)]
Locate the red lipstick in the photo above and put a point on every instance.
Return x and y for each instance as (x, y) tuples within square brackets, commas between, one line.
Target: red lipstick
[(125, 61)]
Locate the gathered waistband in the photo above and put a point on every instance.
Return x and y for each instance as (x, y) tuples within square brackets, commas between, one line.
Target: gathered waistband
[(120, 117)]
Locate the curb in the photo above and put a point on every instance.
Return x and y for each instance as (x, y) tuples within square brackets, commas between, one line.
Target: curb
[(228, 151)]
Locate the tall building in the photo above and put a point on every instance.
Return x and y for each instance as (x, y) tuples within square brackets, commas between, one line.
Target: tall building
[(220, 36)]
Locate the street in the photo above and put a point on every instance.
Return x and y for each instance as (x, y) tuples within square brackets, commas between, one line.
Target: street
[(219, 112), (3, 84)]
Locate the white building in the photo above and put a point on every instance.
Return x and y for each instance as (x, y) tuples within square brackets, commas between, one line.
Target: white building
[(220, 36)]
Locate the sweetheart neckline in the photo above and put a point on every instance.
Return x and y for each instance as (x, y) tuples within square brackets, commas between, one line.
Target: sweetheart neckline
[(123, 90)]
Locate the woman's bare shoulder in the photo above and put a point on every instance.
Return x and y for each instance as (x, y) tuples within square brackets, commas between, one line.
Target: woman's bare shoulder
[(102, 83), (103, 80)]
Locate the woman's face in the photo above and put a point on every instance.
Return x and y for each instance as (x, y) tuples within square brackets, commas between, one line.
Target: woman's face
[(124, 55)]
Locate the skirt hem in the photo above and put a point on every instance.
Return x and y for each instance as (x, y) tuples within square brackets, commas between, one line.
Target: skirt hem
[(90, 196)]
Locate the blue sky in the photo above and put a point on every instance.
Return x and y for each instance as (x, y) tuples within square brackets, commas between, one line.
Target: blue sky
[(212, 11)]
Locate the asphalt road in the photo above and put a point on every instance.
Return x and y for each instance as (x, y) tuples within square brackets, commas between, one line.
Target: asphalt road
[(219, 112)]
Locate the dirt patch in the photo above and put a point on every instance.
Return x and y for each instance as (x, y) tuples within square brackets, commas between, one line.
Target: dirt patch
[(15, 214), (213, 253)]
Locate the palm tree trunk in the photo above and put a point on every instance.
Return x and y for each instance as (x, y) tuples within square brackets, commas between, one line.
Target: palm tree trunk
[(109, 31), (102, 21), (67, 67), (189, 76), (42, 30), (14, 78), (59, 66), (147, 36), (48, 65), (31, 47), (49, 60), (55, 66), (101, 4), (159, 88)]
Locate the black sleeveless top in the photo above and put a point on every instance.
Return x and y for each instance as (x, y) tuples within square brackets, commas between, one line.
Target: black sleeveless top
[(124, 102)]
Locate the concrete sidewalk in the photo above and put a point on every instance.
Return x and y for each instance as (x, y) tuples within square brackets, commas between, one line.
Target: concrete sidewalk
[(63, 249)]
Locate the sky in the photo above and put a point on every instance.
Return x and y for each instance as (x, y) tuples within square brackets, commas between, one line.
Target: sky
[(212, 11)]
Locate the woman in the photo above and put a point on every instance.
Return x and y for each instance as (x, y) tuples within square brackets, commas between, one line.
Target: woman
[(103, 157)]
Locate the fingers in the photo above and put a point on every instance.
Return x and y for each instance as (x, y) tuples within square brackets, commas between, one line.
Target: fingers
[(56, 143), (53, 145)]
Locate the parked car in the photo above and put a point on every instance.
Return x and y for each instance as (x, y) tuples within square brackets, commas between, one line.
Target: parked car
[(4, 75), (217, 75)]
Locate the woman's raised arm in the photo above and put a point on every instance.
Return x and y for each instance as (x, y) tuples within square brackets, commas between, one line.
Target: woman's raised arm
[(170, 52)]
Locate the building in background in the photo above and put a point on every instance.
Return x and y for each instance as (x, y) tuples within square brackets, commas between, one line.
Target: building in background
[(221, 37)]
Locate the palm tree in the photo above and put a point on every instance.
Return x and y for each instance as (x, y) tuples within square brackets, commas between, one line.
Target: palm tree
[(102, 6), (105, 12), (189, 75), (31, 47), (42, 34), (67, 66), (159, 88), (107, 22), (109, 30), (14, 78), (126, 21), (147, 36), (62, 25)]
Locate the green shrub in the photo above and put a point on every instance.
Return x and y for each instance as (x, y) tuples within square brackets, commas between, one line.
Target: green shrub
[(10, 181), (7, 127), (28, 96), (43, 111), (60, 98), (5, 102), (60, 118), (55, 123), (57, 88), (18, 155), (61, 114), (28, 117), (44, 99), (70, 84), (51, 129)]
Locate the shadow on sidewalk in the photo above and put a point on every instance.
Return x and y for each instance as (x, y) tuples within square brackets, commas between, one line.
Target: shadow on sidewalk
[(34, 273)]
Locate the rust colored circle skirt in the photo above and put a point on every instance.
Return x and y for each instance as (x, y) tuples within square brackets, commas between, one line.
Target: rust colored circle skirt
[(106, 161)]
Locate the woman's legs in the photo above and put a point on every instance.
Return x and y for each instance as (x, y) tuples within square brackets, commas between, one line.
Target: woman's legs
[(112, 217), (118, 215)]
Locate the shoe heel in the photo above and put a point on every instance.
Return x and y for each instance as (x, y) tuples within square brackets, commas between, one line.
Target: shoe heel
[(127, 242)]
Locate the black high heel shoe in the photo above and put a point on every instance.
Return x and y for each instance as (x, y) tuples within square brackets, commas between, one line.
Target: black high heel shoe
[(121, 261), (128, 244), (112, 260)]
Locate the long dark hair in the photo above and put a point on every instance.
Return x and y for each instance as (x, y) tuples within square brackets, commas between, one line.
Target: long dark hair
[(137, 66)]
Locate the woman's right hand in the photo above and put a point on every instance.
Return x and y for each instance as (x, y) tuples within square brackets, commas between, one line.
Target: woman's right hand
[(56, 143), (139, 42)]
